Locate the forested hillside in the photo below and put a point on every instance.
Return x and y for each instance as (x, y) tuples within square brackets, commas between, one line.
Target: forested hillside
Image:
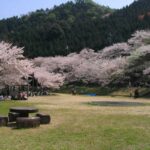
[(72, 26)]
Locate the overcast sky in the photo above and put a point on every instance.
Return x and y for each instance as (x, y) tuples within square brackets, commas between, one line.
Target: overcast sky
[(9, 8)]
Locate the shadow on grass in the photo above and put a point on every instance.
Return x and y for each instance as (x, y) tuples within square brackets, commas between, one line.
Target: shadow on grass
[(115, 104), (12, 125)]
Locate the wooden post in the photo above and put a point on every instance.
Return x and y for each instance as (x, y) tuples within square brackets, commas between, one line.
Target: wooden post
[(27, 87), (28, 90)]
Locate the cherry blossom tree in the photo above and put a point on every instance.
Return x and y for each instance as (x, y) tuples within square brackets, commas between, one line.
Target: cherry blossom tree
[(47, 79), (87, 67), (147, 71), (15, 69), (13, 65), (120, 62), (116, 50), (139, 38)]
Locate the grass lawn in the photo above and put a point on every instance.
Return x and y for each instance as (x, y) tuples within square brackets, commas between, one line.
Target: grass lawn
[(77, 124)]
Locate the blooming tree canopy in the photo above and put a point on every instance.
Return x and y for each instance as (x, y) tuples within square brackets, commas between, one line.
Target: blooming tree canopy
[(13, 65), (87, 67), (121, 61), (47, 79), (15, 69)]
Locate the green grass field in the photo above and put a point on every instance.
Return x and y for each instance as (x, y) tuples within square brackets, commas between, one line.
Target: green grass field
[(78, 125)]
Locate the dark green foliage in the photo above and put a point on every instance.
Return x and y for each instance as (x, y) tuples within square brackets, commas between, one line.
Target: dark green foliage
[(64, 29), (73, 26)]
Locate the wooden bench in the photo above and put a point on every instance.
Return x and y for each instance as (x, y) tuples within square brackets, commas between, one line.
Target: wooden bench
[(28, 122), (44, 118), (13, 116), (3, 121)]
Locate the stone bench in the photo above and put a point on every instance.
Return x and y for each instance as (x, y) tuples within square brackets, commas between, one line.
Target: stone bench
[(44, 118), (13, 116), (28, 122), (3, 121)]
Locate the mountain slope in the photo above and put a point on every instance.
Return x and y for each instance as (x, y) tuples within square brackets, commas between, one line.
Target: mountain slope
[(121, 24), (73, 26), (52, 32)]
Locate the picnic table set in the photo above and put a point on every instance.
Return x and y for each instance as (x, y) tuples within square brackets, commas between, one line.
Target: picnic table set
[(20, 116)]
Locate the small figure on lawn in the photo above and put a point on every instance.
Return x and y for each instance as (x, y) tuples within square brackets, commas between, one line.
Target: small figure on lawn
[(136, 93), (74, 91)]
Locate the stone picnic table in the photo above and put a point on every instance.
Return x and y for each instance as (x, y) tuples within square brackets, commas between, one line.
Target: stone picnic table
[(20, 116), (23, 111)]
